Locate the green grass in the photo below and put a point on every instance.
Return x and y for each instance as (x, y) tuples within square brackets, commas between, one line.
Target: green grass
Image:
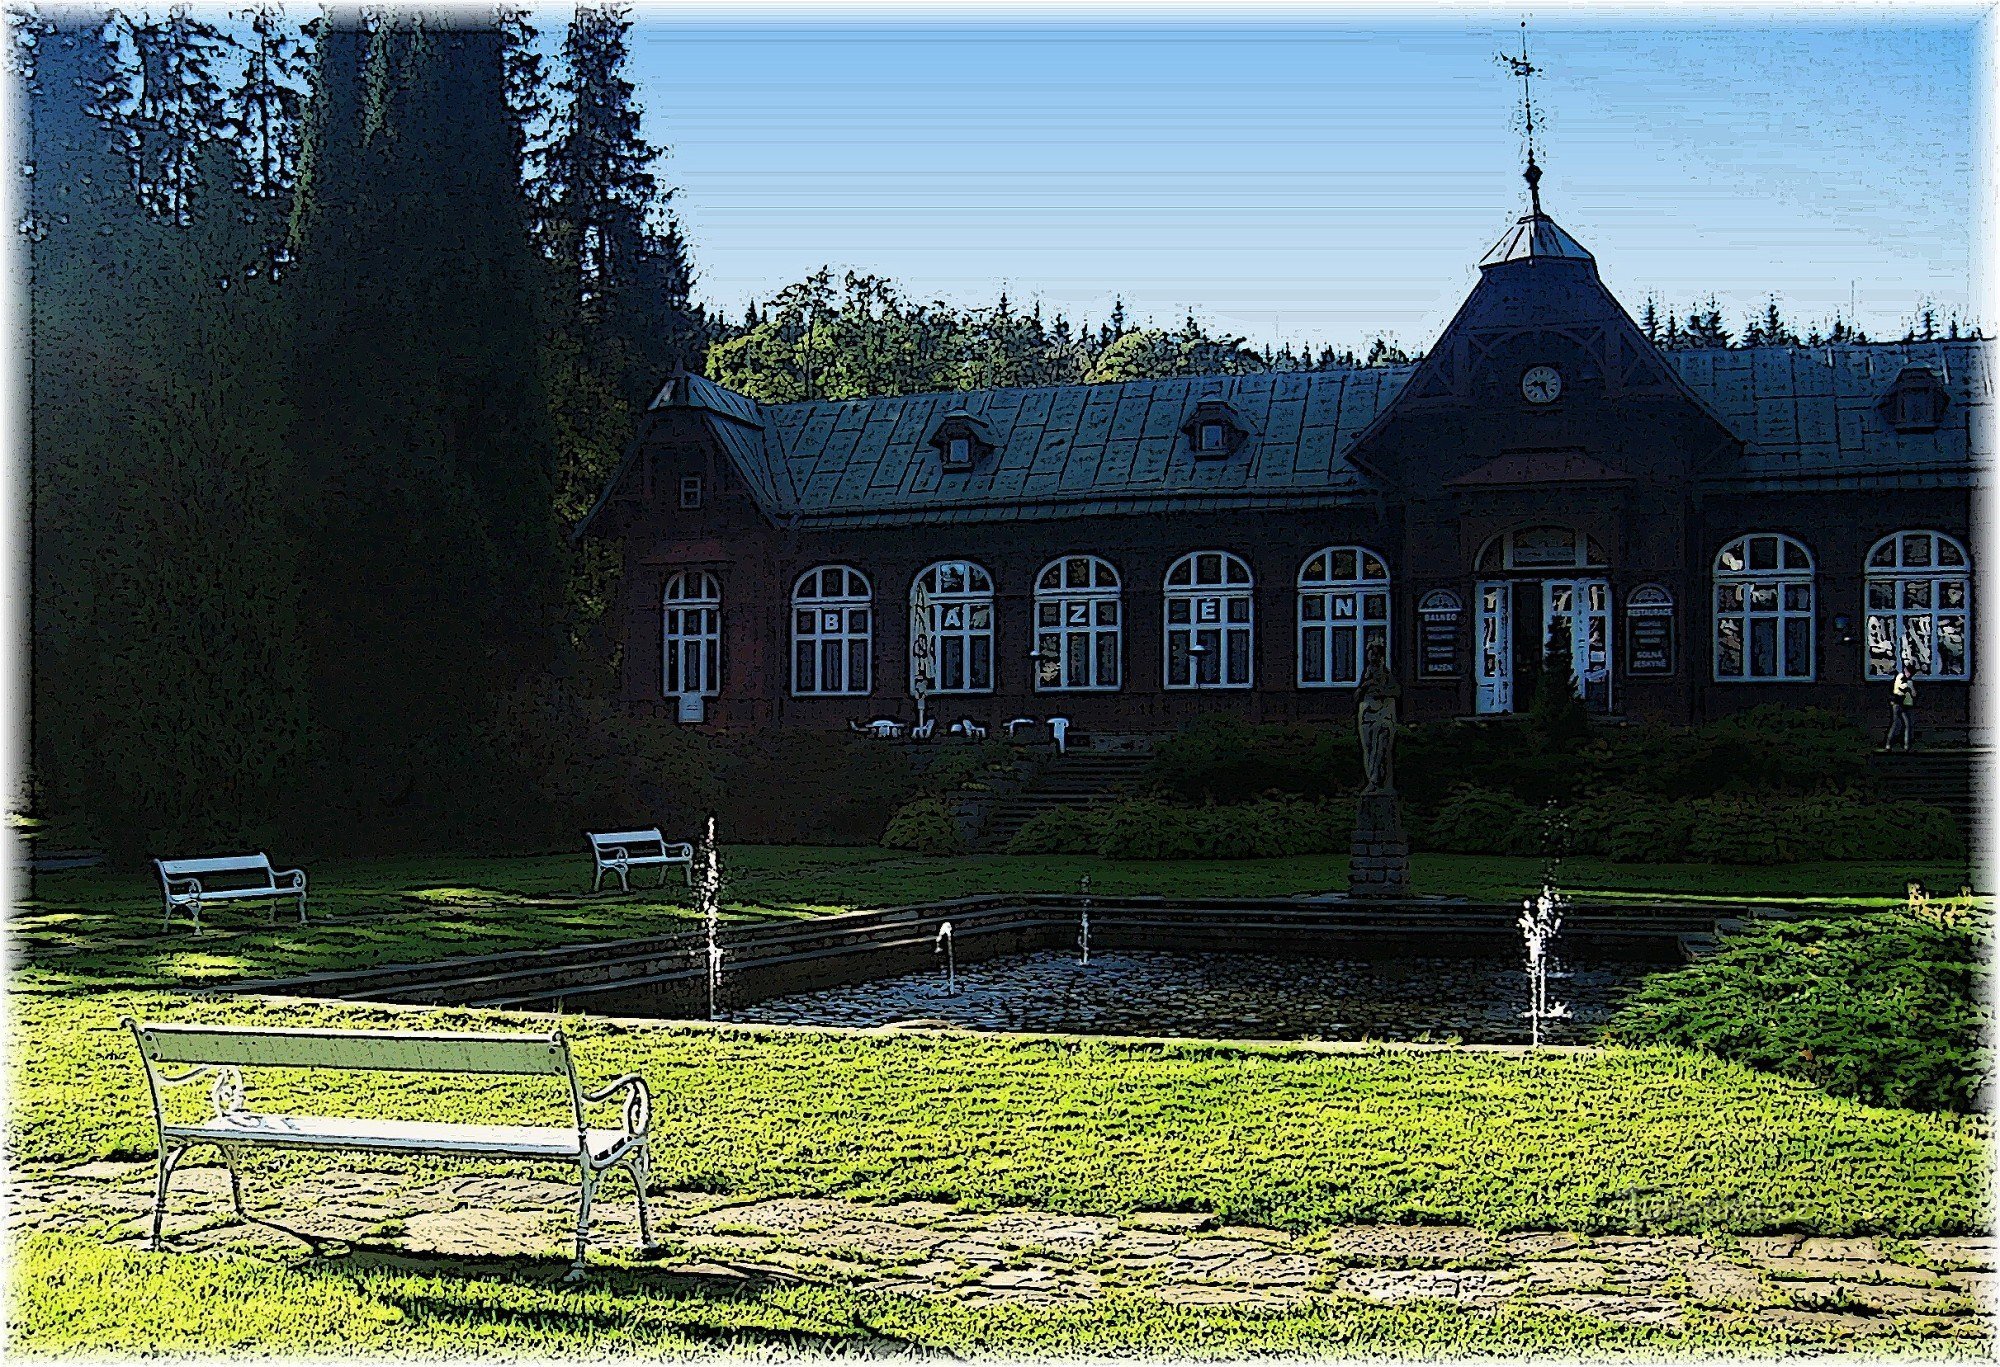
[(1604, 1140), (104, 927)]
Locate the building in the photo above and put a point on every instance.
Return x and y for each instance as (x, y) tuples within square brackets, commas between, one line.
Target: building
[(1702, 531)]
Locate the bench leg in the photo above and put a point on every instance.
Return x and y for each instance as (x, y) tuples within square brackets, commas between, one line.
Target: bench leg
[(169, 1158), (624, 878), (597, 884), (663, 874), (587, 1188), (302, 908), (235, 1181), (641, 1163)]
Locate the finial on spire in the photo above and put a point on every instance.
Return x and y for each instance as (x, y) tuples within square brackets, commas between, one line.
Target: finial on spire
[(1527, 71)]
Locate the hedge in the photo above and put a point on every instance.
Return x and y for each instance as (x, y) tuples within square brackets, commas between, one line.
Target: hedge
[(1143, 828)]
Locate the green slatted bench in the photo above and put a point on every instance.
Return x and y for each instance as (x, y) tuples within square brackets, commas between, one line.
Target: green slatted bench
[(220, 1053)]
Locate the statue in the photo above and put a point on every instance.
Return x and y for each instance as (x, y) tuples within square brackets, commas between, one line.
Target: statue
[(1376, 717)]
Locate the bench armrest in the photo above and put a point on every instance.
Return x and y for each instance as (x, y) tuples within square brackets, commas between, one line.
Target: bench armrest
[(180, 885), (289, 880), (611, 854), (680, 851), (638, 1101)]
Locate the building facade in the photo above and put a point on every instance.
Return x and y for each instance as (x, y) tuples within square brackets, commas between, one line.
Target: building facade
[(1699, 531)]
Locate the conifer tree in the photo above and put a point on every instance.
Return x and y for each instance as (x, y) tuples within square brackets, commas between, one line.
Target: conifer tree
[(266, 104), (178, 108)]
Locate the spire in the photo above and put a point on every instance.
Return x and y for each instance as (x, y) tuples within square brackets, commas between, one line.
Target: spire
[(1535, 236), (1527, 71)]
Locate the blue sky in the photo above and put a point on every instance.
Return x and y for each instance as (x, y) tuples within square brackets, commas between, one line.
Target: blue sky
[(1323, 179)]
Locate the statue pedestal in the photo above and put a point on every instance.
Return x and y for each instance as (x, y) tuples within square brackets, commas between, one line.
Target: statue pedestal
[(1380, 862)]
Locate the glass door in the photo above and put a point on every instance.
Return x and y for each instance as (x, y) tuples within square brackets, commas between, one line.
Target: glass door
[(1496, 649), (1579, 611)]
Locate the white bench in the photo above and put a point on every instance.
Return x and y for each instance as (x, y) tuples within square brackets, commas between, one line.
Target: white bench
[(221, 1053), (620, 852), (190, 884)]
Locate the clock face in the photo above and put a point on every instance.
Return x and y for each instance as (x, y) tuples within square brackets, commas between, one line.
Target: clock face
[(1541, 384)]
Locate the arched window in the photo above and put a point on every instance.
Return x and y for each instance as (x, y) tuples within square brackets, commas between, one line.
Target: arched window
[(1343, 605), (691, 652), (1541, 548), (1076, 625), (952, 620), (1208, 621), (832, 632), (1763, 610), (1919, 606)]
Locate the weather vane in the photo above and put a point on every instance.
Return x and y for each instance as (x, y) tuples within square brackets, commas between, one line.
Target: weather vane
[(1527, 71)]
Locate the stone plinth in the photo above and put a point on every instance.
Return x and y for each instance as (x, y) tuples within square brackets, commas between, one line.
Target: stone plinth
[(1380, 863)]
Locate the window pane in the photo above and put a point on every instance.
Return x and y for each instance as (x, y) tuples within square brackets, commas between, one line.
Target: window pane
[(1763, 598), (1343, 608), (1376, 607), (1951, 593), (1177, 658), (1729, 598), (1798, 647), (1917, 643), (1344, 566), (1312, 607), (1729, 647), (1763, 552), (1239, 657), (1731, 559), (1917, 550), (1078, 661), (1881, 593), (1763, 648), (982, 662), (1107, 612), (1107, 660), (1798, 597), (1177, 610), (1312, 655), (1881, 645), (858, 672), (1239, 609), (1209, 671), (1345, 669), (1949, 554), (1951, 647), (1916, 593)]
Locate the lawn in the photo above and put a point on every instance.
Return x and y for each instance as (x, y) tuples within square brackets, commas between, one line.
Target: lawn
[(1297, 1138)]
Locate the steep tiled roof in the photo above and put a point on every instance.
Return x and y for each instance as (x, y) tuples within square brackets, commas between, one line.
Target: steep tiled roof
[(1813, 413)]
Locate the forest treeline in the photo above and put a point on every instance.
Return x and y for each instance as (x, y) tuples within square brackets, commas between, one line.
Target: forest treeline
[(334, 331)]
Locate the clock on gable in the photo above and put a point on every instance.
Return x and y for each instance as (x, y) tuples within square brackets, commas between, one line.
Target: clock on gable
[(1541, 384)]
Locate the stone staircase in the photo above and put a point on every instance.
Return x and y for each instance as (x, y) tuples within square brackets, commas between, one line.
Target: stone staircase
[(1950, 777), (1080, 778)]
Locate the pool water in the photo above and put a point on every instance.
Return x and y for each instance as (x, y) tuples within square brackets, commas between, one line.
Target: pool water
[(1476, 998)]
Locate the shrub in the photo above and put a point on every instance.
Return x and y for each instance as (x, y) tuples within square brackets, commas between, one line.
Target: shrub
[(1481, 821), (925, 826), (1228, 760), (1887, 1008), (1146, 828)]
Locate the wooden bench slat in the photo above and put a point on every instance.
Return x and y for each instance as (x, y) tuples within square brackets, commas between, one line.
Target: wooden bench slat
[(388, 1050), (227, 863), (397, 1136)]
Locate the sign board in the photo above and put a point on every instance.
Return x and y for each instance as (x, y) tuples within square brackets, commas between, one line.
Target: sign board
[(693, 708), (1649, 632), (1438, 617)]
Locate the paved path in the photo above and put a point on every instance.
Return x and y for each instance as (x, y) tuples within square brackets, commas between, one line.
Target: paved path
[(1945, 1286)]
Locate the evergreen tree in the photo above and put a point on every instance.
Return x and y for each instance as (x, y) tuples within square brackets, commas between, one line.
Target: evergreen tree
[(433, 587), (265, 106), (178, 109), (608, 225), (1704, 326), (1649, 319)]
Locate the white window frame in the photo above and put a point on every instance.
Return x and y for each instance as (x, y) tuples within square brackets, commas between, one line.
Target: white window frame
[(1888, 572), (1061, 644), (1331, 604), (1788, 592), (1500, 553), (691, 620), (1208, 602), (856, 599), (971, 606)]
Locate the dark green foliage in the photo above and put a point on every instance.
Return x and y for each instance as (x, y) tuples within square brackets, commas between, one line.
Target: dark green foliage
[(924, 826), (1229, 760), (1884, 1007), (1143, 828), (1476, 820)]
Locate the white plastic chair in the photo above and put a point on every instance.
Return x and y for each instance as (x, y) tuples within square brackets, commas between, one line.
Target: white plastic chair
[(924, 732), (1059, 728), (1018, 724)]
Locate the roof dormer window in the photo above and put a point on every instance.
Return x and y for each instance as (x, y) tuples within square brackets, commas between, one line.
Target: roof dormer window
[(1215, 431), (1916, 401), (962, 441)]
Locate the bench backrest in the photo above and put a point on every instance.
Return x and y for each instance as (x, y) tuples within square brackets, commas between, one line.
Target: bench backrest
[(243, 870), (410, 1051), (628, 839)]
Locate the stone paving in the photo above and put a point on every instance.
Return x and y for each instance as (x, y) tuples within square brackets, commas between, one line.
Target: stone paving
[(1861, 1286), (1479, 998)]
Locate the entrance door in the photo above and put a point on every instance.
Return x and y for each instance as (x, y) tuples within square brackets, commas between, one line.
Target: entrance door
[(1496, 649), (1580, 610)]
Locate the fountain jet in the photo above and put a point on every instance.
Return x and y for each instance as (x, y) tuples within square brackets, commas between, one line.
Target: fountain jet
[(1541, 918), (943, 946)]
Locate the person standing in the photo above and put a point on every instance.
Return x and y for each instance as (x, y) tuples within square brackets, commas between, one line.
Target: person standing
[(1902, 707)]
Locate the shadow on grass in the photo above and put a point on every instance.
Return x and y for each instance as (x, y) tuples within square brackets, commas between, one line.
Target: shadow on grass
[(682, 1303)]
